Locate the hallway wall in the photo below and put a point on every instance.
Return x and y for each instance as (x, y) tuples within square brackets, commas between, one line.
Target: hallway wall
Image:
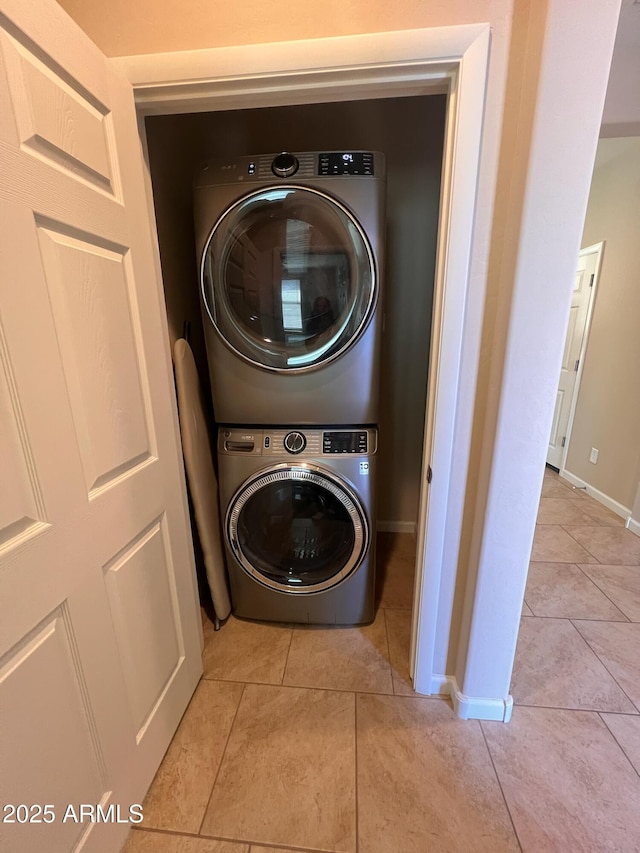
[(607, 413)]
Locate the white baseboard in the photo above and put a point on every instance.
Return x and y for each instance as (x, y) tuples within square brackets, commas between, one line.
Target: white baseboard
[(442, 685), (633, 525), (596, 494), (396, 527), (475, 708), (472, 707)]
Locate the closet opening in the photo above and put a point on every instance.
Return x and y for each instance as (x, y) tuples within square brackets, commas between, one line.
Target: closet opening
[(410, 131)]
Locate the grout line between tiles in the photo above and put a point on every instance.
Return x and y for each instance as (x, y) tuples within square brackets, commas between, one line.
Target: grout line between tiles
[(497, 775), (603, 593), (625, 621), (386, 635), (312, 687), (618, 566), (286, 660), (584, 548), (580, 710), (620, 746), (224, 751), (600, 659), (355, 744), (163, 831), (269, 845)]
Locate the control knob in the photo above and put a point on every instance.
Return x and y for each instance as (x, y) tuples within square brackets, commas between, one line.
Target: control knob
[(284, 165), (295, 442)]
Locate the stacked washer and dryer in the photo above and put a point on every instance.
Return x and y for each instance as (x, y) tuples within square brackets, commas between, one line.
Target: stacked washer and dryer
[(290, 250)]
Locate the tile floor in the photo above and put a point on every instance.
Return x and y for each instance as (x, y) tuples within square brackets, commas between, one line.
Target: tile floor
[(311, 739)]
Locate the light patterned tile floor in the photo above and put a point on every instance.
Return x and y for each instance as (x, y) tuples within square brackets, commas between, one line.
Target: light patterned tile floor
[(313, 740)]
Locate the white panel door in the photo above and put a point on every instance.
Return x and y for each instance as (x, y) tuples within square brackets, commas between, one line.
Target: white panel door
[(99, 628), (573, 351)]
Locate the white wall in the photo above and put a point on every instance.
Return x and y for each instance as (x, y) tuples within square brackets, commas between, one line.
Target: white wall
[(550, 133)]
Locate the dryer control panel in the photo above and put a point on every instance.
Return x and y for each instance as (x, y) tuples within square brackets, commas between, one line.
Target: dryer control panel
[(294, 166), (293, 441)]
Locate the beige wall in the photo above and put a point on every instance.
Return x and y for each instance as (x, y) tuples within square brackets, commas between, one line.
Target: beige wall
[(123, 27), (621, 115), (410, 133), (608, 407)]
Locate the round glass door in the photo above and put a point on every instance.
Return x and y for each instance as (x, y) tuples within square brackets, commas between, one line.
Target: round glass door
[(297, 529), (288, 278)]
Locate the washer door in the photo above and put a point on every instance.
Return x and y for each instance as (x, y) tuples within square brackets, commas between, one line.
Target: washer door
[(288, 278), (297, 529)]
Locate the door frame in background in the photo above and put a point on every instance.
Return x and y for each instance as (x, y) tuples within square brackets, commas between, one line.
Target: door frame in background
[(596, 249), (450, 60)]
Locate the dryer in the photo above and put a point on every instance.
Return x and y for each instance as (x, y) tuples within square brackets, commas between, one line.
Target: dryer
[(291, 254), (299, 522)]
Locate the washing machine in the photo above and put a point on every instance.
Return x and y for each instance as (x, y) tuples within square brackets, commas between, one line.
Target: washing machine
[(298, 510), (290, 250)]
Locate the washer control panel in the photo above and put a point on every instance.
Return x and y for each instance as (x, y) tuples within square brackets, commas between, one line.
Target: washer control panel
[(345, 441), (287, 442)]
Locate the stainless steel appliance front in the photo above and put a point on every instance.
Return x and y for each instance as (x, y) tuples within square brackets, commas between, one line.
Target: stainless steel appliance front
[(290, 265), (299, 522)]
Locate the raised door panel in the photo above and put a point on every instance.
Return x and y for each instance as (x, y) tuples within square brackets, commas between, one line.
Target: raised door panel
[(143, 603), (89, 290), (569, 344), (56, 122), (44, 478), (21, 505), (556, 439), (48, 739), (99, 628)]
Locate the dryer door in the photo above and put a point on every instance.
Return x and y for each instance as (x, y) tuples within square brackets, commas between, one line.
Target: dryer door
[(297, 529), (288, 278)]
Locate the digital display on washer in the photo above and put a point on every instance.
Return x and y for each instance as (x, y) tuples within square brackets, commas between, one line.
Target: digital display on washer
[(345, 163), (344, 442)]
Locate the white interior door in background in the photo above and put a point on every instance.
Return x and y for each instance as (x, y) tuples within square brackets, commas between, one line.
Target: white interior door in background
[(99, 626), (574, 352)]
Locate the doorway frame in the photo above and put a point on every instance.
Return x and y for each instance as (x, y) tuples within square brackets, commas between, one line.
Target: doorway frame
[(450, 60), (598, 250)]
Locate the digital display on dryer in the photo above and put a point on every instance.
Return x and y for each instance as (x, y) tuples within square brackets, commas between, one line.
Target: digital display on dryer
[(346, 163), (344, 442)]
